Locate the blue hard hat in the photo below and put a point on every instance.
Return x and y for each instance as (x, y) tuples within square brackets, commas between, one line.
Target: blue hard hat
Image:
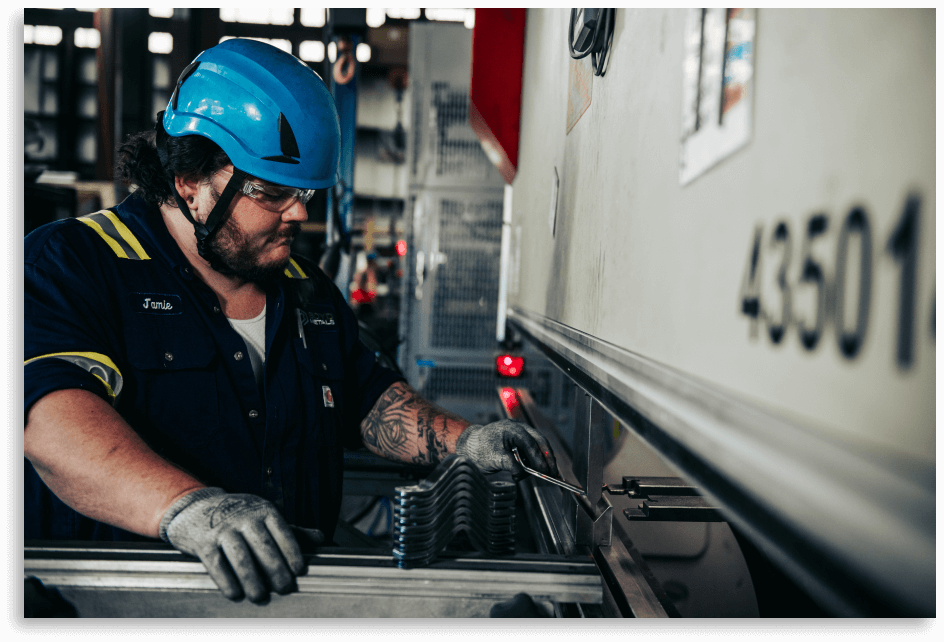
[(266, 109)]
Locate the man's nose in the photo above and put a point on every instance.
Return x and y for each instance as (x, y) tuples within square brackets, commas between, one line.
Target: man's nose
[(295, 212)]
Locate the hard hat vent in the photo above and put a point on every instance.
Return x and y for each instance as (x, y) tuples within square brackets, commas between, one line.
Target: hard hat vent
[(287, 142), (287, 138)]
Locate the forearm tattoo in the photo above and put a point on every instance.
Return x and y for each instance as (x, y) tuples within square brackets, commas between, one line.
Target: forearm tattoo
[(405, 427)]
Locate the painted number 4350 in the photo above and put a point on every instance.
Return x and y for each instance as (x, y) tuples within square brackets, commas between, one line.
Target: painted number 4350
[(845, 300)]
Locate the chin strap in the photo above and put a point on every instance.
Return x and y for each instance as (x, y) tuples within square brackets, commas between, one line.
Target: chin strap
[(202, 231)]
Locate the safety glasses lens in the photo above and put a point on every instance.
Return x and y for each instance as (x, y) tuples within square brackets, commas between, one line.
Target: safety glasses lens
[(274, 198)]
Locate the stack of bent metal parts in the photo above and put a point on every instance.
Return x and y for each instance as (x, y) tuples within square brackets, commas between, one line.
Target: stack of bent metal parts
[(455, 497)]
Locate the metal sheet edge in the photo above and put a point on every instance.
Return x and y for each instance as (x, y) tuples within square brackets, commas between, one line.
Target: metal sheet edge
[(837, 497)]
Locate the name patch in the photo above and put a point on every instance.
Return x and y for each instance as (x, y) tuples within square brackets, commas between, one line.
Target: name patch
[(324, 319), (149, 303)]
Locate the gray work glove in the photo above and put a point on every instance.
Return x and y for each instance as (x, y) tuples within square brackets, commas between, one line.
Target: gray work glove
[(489, 447), (246, 546)]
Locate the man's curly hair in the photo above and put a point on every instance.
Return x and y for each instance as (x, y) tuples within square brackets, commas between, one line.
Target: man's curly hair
[(139, 165)]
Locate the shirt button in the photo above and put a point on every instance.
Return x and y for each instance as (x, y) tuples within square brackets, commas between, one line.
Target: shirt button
[(324, 366), (269, 471), (238, 356), (168, 356), (253, 414), (216, 309)]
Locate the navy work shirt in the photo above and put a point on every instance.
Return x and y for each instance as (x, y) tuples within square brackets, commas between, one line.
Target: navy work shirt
[(113, 307)]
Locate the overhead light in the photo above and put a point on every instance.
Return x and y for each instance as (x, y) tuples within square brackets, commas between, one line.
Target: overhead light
[(313, 17), (87, 38), (332, 51), (449, 15), (311, 50), (375, 16), (258, 15), (160, 12), (160, 42), (41, 35), (362, 53), (403, 14)]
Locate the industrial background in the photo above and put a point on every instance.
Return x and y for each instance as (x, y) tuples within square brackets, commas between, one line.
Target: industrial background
[(700, 258)]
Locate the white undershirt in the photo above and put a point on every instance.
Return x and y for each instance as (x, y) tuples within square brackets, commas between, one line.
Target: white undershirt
[(253, 333)]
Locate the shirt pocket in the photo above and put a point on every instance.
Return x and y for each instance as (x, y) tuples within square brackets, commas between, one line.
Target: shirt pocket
[(176, 370), (322, 368), (320, 350), (320, 355)]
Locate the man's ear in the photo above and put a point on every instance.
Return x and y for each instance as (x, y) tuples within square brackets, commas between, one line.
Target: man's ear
[(187, 188)]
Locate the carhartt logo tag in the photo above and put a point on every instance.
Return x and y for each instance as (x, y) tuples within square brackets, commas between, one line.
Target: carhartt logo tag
[(328, 397), (151, 303)]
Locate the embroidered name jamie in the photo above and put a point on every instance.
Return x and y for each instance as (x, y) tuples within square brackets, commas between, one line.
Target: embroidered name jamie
[(150, 303)]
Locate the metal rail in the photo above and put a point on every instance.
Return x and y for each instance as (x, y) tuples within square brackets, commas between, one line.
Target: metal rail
[(144, 581)]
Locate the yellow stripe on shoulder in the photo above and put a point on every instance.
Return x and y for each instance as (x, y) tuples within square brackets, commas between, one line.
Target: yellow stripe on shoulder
[(126, 234), (294, 270), (116, 247), (116, 234)]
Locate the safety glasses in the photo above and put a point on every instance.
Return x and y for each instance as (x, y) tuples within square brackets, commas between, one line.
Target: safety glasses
[(274, 198)]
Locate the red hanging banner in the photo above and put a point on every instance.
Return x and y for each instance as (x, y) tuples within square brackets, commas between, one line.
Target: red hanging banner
[(495, 88)]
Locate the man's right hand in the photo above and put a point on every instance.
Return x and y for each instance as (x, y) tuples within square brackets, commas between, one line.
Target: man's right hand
[(236, 536)]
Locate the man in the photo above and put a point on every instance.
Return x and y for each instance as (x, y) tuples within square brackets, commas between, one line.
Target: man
[(186, 377)]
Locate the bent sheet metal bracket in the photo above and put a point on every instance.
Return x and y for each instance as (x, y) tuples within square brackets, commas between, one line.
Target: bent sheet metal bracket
[(455, 497), (593, 523)]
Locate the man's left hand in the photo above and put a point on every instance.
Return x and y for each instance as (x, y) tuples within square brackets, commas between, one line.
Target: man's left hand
[(489, 448)]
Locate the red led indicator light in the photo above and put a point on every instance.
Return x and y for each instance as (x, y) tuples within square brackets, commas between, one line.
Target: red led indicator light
[(401, 248), (509, 366), (509, 399), (362, 296)]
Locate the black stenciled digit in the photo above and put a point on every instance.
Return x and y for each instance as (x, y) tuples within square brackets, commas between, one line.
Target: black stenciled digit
[(750, 287), (903, 244), (856, 223), (812, 273), (778, 329)]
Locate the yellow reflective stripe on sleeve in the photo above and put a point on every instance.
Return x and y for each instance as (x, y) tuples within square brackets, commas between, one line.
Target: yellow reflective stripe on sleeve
[(111, 393), (126, 234), (294, 270), (116, 248), (96, 364), (116, 234)]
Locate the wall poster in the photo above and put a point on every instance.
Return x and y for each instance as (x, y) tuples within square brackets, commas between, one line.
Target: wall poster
[(716, 94)]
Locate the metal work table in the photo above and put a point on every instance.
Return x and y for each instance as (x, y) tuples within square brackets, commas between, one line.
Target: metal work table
[(153, 580)]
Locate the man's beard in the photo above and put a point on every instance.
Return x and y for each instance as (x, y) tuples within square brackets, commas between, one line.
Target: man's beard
[(235, 256)]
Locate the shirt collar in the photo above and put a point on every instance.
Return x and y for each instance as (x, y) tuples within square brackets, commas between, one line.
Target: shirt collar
[(146, 220)]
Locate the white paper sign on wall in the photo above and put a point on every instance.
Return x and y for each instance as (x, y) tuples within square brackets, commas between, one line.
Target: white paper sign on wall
[(717, 84)]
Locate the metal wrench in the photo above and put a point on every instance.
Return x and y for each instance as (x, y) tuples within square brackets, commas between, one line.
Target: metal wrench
[(562, 484)]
